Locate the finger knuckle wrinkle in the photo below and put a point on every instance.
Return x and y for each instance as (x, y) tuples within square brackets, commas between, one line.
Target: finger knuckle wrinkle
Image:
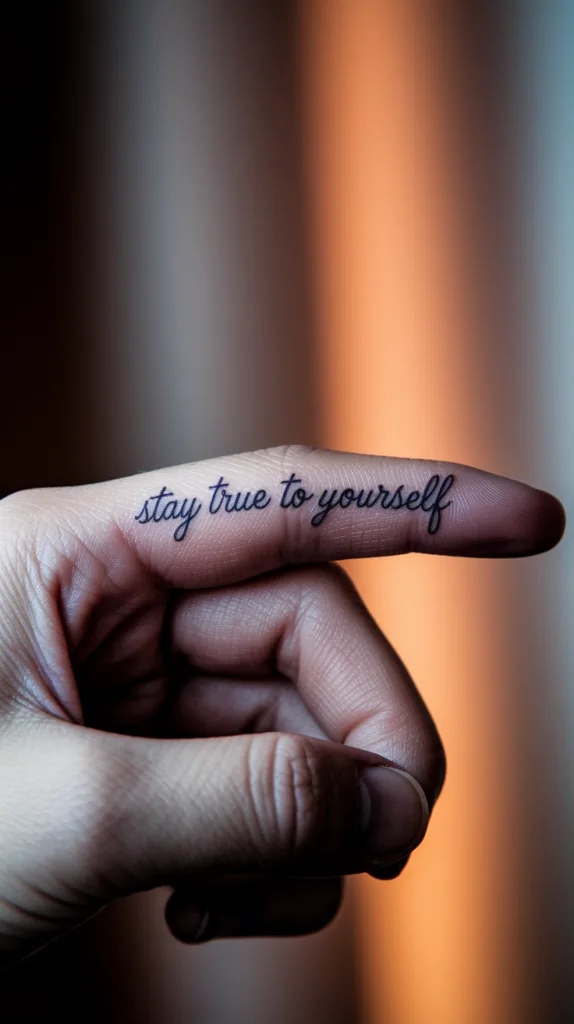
[(292, 455), (295, 543), (295, 793), (327, 583)]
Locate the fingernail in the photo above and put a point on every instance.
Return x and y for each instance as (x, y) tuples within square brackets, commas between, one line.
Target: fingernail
[(192, 924), (390, 869), (394, 813)]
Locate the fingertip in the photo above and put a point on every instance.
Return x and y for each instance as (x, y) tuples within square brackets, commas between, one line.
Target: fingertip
[(388, 872), (252, 907), (541, 520), (515, 521), (187, 921), (549, 522)]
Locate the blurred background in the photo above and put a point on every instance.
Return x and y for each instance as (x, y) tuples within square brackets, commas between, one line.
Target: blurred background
[(230, 224)]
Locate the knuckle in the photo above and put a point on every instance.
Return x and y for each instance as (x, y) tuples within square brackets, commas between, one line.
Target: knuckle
[(64, 806), (22, 515), (12, 521), (323, 590), (22, 506), (295, 542), (420, 749), (428, 755), (289, 796), (18, 579), (23, 539), (291, 456), (324, 582)]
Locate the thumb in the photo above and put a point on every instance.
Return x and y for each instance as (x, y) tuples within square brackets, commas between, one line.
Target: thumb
[(244, 804), (109, 815)]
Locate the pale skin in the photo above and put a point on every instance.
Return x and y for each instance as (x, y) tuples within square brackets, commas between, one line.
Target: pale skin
[(220, 714)]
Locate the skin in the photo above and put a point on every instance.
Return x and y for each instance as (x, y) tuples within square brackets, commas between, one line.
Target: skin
[(220, 715)]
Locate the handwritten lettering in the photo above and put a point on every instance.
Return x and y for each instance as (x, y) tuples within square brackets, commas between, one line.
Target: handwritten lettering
[(165, 506), (239, 502), (153, 511), (430, 501), (291, 498)]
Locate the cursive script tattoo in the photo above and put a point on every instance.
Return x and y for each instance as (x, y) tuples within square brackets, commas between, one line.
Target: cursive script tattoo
[(222, 499), (293, 497), (154, 511), (239, 502), (428, 501)]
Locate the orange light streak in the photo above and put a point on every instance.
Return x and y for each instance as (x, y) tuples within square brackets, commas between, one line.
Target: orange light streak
[(399, 334)]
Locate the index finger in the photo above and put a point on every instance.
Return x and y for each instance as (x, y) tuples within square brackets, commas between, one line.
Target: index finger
[(227, 519)]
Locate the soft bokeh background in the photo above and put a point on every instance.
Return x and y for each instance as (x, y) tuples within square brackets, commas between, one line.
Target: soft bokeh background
[(230, 224)]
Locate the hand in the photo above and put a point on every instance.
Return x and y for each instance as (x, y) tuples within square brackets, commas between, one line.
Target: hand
[(191, 695)]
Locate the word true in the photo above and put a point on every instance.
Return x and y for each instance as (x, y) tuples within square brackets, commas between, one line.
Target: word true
[(238, 502), (221, 500)]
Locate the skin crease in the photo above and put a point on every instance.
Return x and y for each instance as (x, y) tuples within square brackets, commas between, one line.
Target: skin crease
[(192, 694)]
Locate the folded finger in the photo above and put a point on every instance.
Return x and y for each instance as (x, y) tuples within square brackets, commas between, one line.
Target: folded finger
[(310, 627), (216, 706), (244, 907)]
